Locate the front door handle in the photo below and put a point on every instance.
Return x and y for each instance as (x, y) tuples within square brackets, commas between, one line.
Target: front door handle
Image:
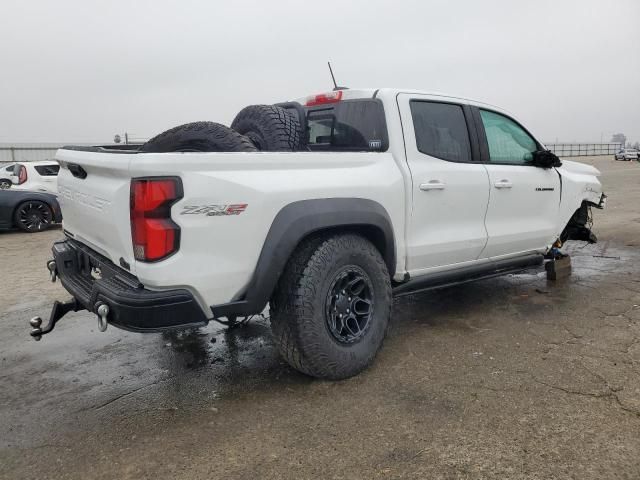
[(432, 185), (504, 183)]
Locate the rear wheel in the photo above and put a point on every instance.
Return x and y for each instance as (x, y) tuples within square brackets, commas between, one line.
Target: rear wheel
[(198, 137), (33, 216), (5, 184), (330, 311)]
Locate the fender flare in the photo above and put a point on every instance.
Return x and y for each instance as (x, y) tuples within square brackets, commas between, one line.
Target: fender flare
[(291, 225)]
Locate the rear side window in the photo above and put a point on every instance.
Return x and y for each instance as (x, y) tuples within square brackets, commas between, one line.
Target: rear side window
[(351, 125), (441, 130), (47, 170), (9, 168)]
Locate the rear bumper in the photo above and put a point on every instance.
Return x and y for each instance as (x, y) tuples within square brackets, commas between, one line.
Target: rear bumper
[(94, 280)]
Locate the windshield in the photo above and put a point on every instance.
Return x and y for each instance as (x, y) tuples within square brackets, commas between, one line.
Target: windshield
[(353, 125)]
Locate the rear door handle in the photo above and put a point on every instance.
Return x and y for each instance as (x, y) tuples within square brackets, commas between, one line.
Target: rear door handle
[(432, 185), (504, 183)]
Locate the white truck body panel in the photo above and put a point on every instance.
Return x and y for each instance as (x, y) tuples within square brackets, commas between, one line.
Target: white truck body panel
[(449, 202), (96, 209), (523, 209)]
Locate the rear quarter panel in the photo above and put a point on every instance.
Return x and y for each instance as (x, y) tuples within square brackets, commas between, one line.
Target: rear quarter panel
[(218, 254)]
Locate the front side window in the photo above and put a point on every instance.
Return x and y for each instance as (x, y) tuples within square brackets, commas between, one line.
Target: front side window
[(508, 142), (441, 130)]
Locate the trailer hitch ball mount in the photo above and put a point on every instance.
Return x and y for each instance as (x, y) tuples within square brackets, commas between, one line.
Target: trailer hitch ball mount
[(59, 310)]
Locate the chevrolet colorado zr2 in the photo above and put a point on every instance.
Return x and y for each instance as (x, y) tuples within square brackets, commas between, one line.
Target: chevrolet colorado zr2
[(322, 209)]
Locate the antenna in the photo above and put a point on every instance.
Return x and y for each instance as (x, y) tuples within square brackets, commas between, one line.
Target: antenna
[(335, 85)]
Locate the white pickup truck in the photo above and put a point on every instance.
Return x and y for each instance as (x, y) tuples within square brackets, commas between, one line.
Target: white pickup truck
[(381, 193)]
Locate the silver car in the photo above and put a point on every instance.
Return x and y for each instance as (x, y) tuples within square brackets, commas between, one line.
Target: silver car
[(627, 154)]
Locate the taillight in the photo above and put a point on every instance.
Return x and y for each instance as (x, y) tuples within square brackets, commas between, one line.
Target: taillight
[(322, 98), (154, 235), (22, 174)]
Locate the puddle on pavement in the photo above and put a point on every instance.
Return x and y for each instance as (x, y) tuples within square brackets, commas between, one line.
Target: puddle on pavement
[(84, 370), (528, 292)]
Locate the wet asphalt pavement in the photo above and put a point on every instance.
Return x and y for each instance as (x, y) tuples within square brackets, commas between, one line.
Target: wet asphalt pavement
[(513, 377)]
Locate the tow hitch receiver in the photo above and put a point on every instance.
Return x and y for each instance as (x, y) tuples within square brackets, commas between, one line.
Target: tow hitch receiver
[(59, 310)]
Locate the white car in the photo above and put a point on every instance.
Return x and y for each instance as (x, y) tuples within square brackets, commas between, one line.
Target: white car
[(39, 176), (6, 172), (369, 194), (627, 154)]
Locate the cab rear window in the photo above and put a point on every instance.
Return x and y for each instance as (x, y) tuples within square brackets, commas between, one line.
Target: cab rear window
[(349, 125)]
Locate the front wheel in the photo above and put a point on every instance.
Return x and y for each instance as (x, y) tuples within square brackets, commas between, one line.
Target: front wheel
[(331, 309)]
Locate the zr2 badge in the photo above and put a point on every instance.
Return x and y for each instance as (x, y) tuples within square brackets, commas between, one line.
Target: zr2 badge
[(215, 210)]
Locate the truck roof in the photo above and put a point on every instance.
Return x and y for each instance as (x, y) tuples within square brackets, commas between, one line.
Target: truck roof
[(353, 93)]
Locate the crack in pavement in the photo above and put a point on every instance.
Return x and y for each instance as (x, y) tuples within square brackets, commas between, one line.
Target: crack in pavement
[(609, 393), (126, 394)]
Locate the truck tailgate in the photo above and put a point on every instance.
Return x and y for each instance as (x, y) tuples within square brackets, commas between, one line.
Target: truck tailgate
[(95, 208)]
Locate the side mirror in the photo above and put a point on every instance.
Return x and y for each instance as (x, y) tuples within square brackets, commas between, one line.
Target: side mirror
[(545, 159)]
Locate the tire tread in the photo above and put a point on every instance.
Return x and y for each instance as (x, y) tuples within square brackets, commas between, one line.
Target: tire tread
[(279, 130), (206, 136)]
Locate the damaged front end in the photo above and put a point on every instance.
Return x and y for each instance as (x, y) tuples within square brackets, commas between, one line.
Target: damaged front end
[(579, 226)]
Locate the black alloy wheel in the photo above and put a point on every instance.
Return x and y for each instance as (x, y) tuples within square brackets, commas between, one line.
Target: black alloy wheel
[(33, 216), (349, 304)]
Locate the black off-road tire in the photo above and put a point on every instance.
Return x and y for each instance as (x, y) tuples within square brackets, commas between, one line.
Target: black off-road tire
[(198, 137), (299, 306), (270, 128)]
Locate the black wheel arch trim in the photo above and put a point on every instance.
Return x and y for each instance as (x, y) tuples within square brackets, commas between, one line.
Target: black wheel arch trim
[(294, 223)]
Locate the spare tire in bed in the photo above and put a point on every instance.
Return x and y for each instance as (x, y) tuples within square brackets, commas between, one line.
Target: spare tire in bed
[(198, 137), (270, 128)]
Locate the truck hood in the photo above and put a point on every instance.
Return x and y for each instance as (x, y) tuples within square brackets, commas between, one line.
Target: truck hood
[(569, 166)]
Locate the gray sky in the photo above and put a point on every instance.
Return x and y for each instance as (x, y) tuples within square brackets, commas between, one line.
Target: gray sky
[(83, 70)]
